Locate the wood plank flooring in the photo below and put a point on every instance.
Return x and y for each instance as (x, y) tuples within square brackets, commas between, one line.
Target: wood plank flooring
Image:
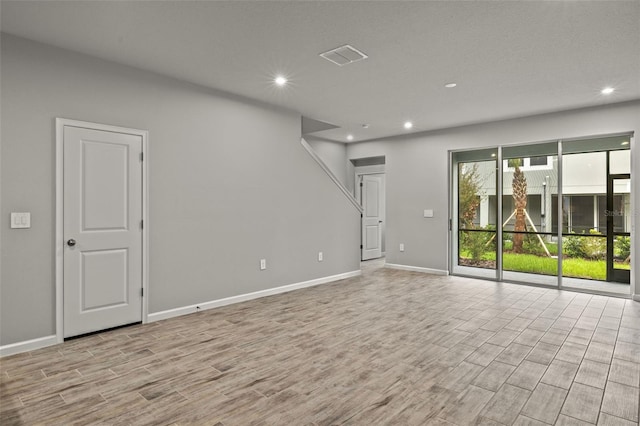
[(389, 347)]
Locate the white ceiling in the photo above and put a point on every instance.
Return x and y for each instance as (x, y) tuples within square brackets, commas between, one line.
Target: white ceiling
[(509, 59)]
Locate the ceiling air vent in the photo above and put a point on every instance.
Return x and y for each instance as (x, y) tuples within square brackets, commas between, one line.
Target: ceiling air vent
[(344, 55)]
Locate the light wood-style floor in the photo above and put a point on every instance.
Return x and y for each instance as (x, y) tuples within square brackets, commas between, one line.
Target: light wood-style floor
[(390, 347)]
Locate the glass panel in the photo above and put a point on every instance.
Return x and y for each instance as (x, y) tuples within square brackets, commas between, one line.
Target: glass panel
[(488, 154), (477, 249), (476, 214), (609, 143), (586, 217), (620, 162), (529, 248), (515, 162), (584, 242), (602, 214), (584, 257), (620, 212), (621, 205), (622, 252), (580, 212), (621, 223), (538, 161)]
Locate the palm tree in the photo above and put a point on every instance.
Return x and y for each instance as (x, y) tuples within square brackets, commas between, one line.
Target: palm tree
[(519, 186)]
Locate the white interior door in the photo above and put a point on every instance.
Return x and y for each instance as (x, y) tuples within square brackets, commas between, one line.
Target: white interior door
[(371, 189), (102, 283)]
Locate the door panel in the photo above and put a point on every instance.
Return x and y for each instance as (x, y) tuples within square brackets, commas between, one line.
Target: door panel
[(102, 216), (372, 237), (100, 269), (371, 219), (105, 186), (372, 198)]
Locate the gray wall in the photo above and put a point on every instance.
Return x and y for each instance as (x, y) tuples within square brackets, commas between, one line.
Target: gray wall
[(417, 171), (334, 155), (229, 184)]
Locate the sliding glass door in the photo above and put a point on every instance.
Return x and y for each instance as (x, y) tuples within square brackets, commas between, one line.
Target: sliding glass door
[(555, 214), (475, 212)]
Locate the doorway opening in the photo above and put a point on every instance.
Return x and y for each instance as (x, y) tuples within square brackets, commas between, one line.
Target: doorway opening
[(370, 192)]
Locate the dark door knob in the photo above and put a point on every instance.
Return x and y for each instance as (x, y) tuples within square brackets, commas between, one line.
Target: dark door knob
[(71, 242)]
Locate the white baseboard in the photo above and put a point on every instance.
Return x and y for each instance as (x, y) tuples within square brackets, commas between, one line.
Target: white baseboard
[(42, 342), (417, 269), (157, 316), (636, 297), (28, 345)]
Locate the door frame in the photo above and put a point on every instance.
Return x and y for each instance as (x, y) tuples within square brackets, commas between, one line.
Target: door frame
[(358, 177), (59, 240)]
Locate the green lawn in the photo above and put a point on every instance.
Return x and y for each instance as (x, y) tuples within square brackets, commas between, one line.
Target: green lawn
[(577, 268)]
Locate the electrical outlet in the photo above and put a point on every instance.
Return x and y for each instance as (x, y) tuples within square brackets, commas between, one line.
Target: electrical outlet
[(263, 264), (401, 246), (320, 256)]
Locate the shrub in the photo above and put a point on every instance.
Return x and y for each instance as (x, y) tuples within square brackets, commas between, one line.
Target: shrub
[(573, 246), (594, 247), (577, 246), (507, 241), (531, 245), (476, 243), (622, 247)]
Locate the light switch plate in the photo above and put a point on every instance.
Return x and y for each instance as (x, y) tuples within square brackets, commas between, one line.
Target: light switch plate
[(20, 220), (428, 213)]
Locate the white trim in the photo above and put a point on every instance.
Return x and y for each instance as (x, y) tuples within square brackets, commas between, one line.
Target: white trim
[(170, 313), (59, 240), (59, 251), (331, 175), (634, 286), (417, 269), (146, 226), (28, 345)]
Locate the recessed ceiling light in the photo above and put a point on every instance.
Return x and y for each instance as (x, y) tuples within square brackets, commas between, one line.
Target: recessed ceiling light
[(625, 143), (450, 85), (607, 90), (408, 125), (280, 80), (349, 137), (365, 126)]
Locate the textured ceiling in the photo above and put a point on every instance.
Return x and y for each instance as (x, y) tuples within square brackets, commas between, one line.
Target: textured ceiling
[(509, 59)]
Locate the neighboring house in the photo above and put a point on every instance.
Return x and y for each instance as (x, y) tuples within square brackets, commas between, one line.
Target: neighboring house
[(584, 192)]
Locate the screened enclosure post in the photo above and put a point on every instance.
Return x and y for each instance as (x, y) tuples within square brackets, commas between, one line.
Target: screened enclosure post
[(559, 213), (609, 225), (499, 215)]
